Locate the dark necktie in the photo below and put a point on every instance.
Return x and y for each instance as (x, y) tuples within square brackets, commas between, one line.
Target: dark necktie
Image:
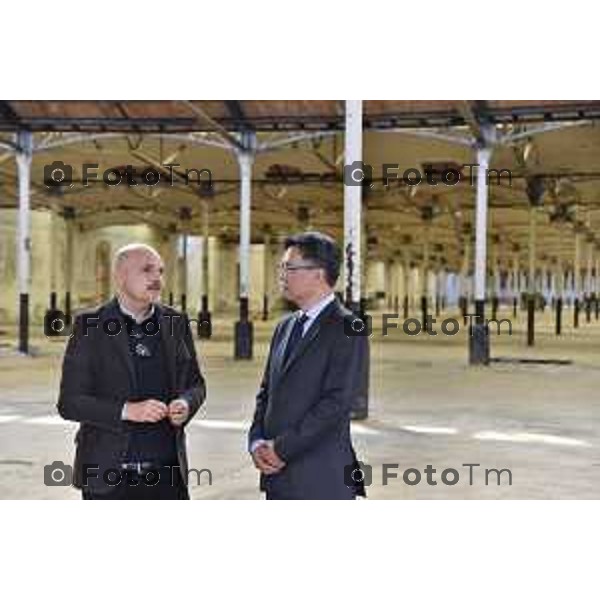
[(295, 336)]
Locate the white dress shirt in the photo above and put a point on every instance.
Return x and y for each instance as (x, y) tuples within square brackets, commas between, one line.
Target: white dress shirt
[(149, 313), (314, 311)]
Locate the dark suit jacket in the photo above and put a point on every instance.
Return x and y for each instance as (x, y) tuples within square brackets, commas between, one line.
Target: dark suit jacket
[(304, 406), (98, 377)]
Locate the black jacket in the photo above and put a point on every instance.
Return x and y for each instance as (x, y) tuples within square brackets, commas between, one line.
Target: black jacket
[(98, 378), (304, 406)]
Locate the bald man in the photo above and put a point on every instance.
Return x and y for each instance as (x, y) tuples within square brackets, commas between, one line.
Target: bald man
[(131, 379)]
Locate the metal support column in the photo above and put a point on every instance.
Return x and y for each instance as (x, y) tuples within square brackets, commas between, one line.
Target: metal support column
[(352, 244), (515, 284), (464, 280), (559, 279), (425, 281), (531, 292), (23, 156), (244, 327), (266, 275), (69, 217), (577, 280), (53, 313), (183, 281), (479, 342), (406, 270), (588, 282), (395, 287), (595, 283), (204, 316)]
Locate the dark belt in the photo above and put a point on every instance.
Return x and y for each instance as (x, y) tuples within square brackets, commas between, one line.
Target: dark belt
[(144, 467)]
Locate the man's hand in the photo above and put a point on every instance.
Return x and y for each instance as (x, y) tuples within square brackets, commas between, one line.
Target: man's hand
[(266, 460), (147, 411), (179, 410)]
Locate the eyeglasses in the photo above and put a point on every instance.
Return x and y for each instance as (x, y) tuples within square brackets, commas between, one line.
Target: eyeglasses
[(291, 267)]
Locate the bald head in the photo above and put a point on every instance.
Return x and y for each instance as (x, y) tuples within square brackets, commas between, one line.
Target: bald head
[(137, 271), (124, 253)]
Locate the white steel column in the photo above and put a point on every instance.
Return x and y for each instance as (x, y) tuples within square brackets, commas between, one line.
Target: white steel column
[(23, 156), (243, 328), (204, 316), (479, 341), (353, 249), (353, 203), (245, 161), (266, 275)]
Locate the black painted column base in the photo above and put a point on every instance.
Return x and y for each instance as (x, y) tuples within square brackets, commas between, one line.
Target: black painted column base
[(171, 299), (204, 321), (243, 333), (462, 303), (68, 305), (576, 308), (479, 339), (424, 319), (558, 307), (362, 309), (405, 307), (265, 310), (360, 386), (515, 306), (204, 325), (597, 306), (52, 317), (531, 320), (495, 303), (588, 309), (24, 323), (183, 303)]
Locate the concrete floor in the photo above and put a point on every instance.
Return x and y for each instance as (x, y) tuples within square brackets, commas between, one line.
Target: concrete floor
[(427, 408)]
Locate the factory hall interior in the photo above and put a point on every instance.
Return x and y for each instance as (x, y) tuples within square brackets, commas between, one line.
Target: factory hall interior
[(470, 240)]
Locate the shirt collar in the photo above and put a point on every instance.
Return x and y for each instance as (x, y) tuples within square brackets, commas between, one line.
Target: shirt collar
[(314, 311), (149, 314)]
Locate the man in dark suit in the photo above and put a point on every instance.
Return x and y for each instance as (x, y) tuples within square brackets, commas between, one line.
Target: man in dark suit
[(131, 379), (300, 435)]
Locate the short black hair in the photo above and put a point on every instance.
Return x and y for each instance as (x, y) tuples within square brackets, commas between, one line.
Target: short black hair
[(320, 249)]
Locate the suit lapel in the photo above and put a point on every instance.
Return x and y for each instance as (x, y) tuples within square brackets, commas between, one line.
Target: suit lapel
[(302, 345), (169, 345), (282, 345)]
